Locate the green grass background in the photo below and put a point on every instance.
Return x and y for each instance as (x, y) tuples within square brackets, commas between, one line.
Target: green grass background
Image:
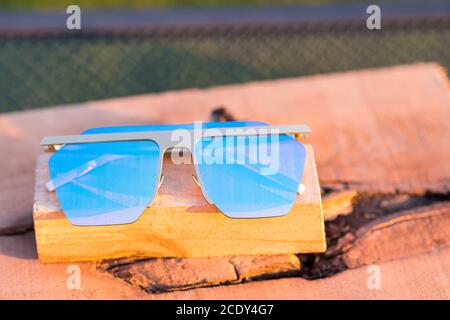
[(37, 73)]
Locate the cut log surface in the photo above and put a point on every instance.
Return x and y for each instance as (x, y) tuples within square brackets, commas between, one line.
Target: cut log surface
[(381, 144), (179, 223)]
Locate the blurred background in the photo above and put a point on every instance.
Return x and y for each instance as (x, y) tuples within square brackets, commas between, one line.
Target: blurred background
[(128, 47)]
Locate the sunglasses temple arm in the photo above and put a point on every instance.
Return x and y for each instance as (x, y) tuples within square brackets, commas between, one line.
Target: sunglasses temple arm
[(80, 171)]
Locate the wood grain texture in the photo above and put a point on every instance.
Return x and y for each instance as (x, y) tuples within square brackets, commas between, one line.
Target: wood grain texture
[(179, 223)]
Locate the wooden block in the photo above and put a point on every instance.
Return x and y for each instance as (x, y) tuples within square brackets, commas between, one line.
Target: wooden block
[(180, 223)]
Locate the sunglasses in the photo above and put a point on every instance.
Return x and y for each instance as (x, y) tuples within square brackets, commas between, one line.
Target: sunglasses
[(107, 176)]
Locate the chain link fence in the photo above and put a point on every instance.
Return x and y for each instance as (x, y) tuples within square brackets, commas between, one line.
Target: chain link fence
[(44, 68)]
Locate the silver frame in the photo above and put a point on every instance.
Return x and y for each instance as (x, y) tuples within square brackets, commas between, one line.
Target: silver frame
[(163, 139)]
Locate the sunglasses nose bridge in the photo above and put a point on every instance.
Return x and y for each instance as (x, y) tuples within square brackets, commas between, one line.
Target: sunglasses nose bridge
[(185, 152)]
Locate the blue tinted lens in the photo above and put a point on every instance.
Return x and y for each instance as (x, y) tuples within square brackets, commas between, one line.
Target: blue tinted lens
[(105, 183), (253, 176)]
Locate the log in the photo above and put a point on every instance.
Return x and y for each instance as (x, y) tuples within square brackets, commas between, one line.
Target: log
[(171, 274), (180, 223)]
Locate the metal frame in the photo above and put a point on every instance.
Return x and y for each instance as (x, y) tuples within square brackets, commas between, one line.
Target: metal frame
[(163, 138)]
